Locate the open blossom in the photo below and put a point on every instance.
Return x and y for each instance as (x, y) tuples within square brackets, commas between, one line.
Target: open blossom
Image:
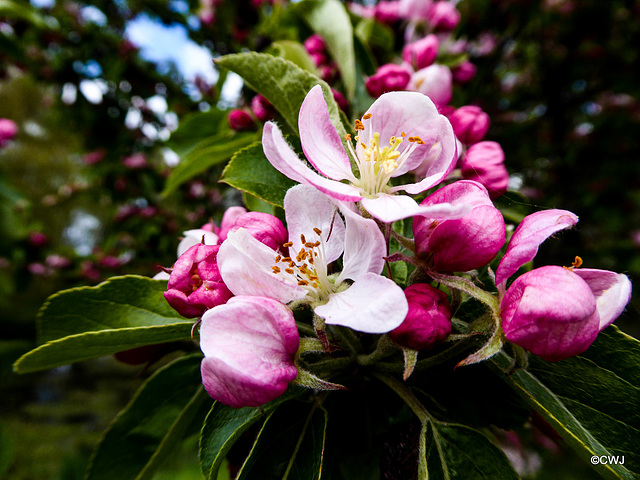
[(249, 346), (400, 131), (555, 312), (465, 243), (318, 237)]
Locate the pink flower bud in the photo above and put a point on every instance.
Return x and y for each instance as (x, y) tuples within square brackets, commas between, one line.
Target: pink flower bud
[(262, 109), (470, 124), (319, 58), (435, 82), (229, 218), (443, 16), (551, 312), (462, 244), (38, 239), (484, 163), (315, 44), (422, 53), (428, 320), (135, 161), (94, 157), (387, 12), (340, 100), (240, 120), (388, 78), (249, 347), (195, 284), (263, 227), (464, 72), (8, 131)]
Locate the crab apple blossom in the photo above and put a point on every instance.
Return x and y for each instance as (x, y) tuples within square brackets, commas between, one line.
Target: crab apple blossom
[(465, 243), (484, 163), (249, 347), (401, 131), (555, 312), (428, 321), (464, 72), (470, 124), (195, 284), (422, 53), (317, 237), (434, 81), (443, 16), (388, 78), (550, 311)]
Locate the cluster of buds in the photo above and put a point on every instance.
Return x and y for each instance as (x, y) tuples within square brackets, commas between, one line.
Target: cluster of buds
[(247, 277)]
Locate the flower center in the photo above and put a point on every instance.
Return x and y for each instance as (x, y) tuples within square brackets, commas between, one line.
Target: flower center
[(308, 268), (377, 163)]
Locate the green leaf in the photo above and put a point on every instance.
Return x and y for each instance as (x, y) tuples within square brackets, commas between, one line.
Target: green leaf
[(592, 400), (196, 127), (455, 451), (296, 53), (255, 204), (281, 82), (250, 171), (22, 11), (223, 427), (87, 322), (153, 423), (290, 445), (205, 155), (7, 451), (330, 20)]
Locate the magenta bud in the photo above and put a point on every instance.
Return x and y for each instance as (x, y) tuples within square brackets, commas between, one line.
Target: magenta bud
[(435, 82), (461, 244), (388, 78), (229, 218), (319, 58), (551, 312), (8, 131), (265, 228), (422, 53), (340, 100), (428, 320), (387, 12), (135, 161), (315, 44), (484, 163), (38, 239), (249, 348), (240, 120), (94, 157), (262, 109), (195, 284), (470, 124), (443, 16), (464, 72)]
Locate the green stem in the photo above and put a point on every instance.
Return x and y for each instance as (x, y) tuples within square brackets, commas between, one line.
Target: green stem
[(406, 394), (404, 241), (384, 348), (348, 337)]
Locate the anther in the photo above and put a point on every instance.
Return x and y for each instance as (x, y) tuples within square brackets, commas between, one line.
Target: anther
[(275, 269), (577, 262), (347, 137), (403, 134), (288, 244), (302, 239), (278, 258), (303, 283), (359, 125), (367, 116), (318, 231), (289, 271)]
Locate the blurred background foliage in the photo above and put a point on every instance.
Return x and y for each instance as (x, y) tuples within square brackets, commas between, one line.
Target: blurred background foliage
[(81, 186)]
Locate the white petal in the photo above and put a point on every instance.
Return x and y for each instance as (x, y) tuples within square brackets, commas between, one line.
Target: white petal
[(373, 304), (245, 265), (612, 291), (389, 208), (364, 247)]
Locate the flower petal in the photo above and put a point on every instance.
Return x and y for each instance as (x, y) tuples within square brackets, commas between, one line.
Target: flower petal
[(364, 247), (612, 291), (306, 209), (373, 304), (416, 115), (194, 237), (285, 160), (320, 141), (389, 208), (245, 265), (531, 232)]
